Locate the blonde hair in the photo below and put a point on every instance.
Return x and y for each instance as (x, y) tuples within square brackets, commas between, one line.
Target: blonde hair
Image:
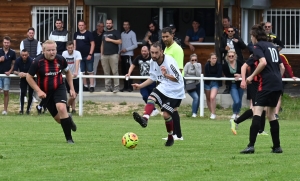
[(48, 42), (212, 54), (231, 51), (193, 55)]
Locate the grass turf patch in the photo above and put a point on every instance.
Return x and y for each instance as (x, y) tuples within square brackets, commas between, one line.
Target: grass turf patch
[(34, 148)]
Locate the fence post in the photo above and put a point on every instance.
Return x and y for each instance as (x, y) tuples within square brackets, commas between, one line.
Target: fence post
[(201, 96), (80, 95)]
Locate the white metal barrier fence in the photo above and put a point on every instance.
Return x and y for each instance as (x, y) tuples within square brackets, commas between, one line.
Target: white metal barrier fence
[(202, 78)]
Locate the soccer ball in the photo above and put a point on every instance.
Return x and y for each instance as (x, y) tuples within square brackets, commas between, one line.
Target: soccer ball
[(130, 140)]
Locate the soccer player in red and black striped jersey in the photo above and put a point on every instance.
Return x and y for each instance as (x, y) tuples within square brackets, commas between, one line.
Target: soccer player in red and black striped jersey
[(50, 86), (269, 71)]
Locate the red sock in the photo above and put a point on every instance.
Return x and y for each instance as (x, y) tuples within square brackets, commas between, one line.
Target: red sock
[(169, 127), (149, 107)]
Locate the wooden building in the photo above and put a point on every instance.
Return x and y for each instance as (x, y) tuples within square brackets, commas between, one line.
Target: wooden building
[(18, 15)]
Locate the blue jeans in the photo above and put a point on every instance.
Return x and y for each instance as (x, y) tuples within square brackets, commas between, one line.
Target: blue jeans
[(237, 97), (87, 65), (146, 91), (195, 94)]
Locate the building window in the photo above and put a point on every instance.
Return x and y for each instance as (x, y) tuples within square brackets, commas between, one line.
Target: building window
[(286, 23), (43, 19)]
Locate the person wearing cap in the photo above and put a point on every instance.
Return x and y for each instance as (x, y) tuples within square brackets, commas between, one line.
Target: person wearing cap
[(176, 39), (196, 34)]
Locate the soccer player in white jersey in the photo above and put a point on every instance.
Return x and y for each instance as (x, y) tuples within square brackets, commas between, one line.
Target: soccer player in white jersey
[(168, 94), (73, 58)]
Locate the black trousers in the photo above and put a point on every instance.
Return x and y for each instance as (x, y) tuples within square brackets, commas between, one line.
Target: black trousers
[(24, 86)]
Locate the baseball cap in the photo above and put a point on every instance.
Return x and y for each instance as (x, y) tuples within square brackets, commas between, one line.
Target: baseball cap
[(172, 26)]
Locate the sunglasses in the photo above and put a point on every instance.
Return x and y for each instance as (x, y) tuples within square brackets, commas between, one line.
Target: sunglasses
[(193, 60), (230, 56), (230, 31), (267, 26)]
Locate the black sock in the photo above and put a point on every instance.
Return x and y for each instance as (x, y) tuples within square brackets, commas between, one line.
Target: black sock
[(247, 114), (176, 123), (274, 129), (254, 130), (262, 122), (66, 126)]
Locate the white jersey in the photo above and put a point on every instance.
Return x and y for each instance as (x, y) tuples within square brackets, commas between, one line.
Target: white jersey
[(71, 59), (174, 90)]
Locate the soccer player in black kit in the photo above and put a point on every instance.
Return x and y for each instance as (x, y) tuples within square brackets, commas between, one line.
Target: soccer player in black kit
[(269, 72), (50, 86)]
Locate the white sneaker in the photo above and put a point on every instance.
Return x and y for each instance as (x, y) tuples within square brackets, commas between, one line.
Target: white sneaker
[(34, 99), (154, 112), (25, 99), (194, 115), (176, 138), (213, 116), (233, 116), (4, 113)]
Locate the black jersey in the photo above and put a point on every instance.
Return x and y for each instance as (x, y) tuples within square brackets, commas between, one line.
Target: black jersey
[(270, 77), (49, 73), (252, 63)]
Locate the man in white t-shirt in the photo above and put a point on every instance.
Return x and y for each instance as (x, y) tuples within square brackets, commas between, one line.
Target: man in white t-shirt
[(168, 94), (73, 58)]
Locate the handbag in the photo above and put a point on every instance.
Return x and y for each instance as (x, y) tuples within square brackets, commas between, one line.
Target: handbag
[(191, 86)]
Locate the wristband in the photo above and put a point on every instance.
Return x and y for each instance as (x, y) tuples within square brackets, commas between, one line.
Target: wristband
[(90, 54)]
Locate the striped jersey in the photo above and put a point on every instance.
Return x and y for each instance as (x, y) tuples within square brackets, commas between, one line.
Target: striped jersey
[(174, 90), (49, 73)]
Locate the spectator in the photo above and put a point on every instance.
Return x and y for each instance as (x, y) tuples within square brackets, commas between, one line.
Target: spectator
[(73, 58), (97, 34), (232, 68), (7, 60), (21, 68), (196, 34), (60, 36), (272, 37), (153, 34), (212, 69), (127, 47), (232, 42), (32, 45), (85, 44), (193, 69), (143, 62), (174, 50), (177, 40), (226, 25), (109, 55)]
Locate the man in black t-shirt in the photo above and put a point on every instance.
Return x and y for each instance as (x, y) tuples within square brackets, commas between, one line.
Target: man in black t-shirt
[(21, 68), (84, 43), (143, 62), (110, 55), (97, 34), (50, 85), (269, 72)]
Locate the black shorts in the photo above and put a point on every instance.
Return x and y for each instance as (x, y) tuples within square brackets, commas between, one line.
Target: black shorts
[(252, 90), (75, 84), (57, 96), (267, 98), (165, 103)]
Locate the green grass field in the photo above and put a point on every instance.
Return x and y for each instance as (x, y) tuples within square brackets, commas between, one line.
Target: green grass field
[(33, 148)]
